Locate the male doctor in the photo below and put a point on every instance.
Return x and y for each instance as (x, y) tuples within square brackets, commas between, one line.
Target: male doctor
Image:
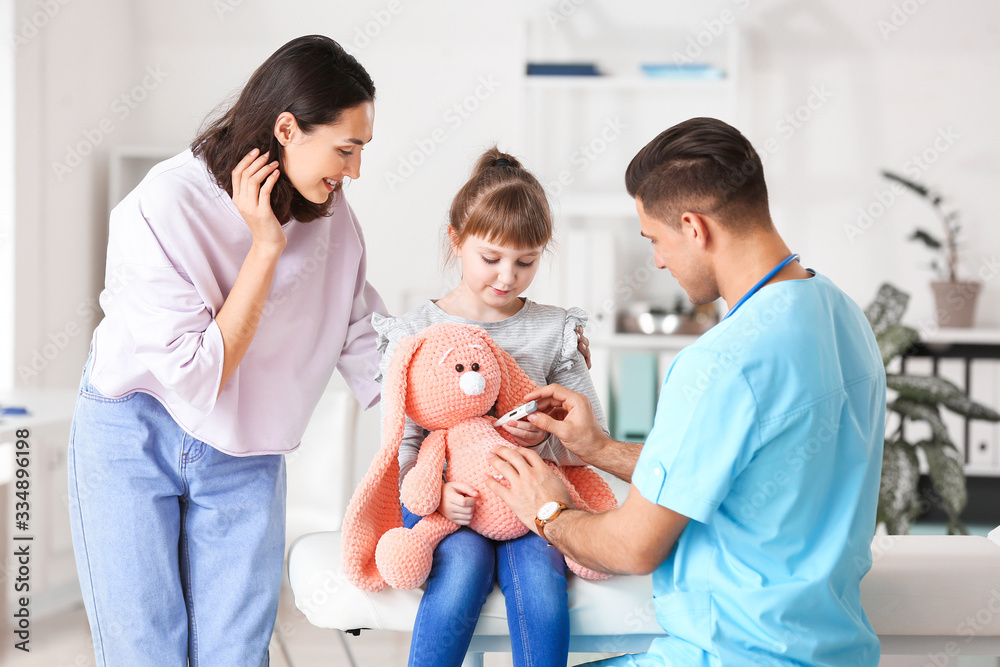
[(753, 499)]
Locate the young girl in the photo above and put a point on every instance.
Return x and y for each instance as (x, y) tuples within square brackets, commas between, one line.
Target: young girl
[(499, 228), (176, 473)]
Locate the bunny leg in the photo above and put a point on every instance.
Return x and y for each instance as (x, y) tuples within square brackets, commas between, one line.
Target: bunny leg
[(585, 572), (404, 555), (588, 489)]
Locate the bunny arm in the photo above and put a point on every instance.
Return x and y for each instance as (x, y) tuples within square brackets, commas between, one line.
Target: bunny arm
[(421, 489)]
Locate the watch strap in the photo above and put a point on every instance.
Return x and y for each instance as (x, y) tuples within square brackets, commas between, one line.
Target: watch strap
[(540, 523)]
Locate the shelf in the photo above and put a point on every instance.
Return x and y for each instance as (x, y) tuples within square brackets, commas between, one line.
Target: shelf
[(45, 406), (630, 341), (618, 205), (963, 336), (626, 83)]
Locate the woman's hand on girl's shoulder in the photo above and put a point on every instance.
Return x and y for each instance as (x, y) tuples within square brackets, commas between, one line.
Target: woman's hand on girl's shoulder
[(583, 344), (253, 179)]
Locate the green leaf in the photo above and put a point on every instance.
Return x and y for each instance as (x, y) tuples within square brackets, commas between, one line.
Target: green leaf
[(898, 501), (922, 388), (916, 187), (895, 340), (922, 412), (932, 389), (947, 473), (967, 407), (928, 240), (887, 308)]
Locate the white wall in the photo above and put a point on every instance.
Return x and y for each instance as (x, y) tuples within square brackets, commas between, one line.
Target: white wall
[(7, 206), (889, 98)]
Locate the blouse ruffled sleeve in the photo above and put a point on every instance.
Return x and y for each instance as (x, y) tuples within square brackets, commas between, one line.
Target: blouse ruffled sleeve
[(388, 330), (570, 354)]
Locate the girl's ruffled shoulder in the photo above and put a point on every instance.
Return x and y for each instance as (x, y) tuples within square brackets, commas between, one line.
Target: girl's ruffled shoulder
[(387, 329), (575, 317)]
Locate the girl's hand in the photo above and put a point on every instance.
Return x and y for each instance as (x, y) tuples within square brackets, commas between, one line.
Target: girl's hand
[(583, 345), (253, 179), (525, 433), (458, 499)]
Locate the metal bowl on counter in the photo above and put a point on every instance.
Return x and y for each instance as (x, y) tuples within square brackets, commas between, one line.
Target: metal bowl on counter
[(644, 318)]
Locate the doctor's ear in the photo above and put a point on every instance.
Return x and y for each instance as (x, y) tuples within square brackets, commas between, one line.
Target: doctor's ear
[(696, 226)]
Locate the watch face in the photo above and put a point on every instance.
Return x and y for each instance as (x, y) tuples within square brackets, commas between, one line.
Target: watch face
[(547, 510)]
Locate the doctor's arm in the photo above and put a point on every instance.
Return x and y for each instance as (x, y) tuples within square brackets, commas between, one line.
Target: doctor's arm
[(633, 539)]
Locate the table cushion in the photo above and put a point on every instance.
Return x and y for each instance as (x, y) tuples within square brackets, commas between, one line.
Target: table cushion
[(620, 605), (918, 585)]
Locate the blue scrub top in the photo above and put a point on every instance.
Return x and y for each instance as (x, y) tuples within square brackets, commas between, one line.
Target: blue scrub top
[(768, 436)]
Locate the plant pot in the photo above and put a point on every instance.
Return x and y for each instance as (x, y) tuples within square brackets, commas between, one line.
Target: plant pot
[(955, 302)]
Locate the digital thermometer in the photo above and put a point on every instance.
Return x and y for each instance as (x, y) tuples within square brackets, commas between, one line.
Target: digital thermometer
[(516, 414)]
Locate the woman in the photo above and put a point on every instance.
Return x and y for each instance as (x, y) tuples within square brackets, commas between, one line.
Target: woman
[(235, 285)]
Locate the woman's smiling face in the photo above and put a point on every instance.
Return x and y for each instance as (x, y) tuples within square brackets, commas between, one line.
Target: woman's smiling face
[(316, 162)]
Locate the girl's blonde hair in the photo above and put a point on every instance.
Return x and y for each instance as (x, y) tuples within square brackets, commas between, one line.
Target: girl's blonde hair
[(502, 203)]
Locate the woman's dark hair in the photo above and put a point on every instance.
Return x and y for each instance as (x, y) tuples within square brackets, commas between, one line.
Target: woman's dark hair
[(701, 165), (503, 203), (312, 78)]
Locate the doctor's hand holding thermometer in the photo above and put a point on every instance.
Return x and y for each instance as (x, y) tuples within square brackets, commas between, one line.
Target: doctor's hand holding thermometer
[(515, 422)]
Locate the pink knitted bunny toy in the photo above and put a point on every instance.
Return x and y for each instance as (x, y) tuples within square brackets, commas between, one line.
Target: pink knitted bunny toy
[(445, 378)]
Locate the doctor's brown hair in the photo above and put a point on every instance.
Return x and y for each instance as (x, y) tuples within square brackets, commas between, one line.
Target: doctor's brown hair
[(502, 203), (705, 166), (311, 77)]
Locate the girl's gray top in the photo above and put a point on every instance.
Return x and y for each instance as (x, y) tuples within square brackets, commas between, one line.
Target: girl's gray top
[(543, 341)]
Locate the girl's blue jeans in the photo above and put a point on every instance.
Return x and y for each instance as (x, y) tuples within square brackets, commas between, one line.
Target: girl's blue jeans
[(179, 547), (532, 576)]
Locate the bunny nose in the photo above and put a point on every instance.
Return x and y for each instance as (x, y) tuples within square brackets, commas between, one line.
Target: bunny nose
[(472, 383)]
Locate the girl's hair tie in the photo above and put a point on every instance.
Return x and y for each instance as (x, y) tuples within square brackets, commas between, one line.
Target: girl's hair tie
[(502, 162)]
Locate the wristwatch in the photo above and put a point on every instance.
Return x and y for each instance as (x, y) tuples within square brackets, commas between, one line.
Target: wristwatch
[(546, 514)]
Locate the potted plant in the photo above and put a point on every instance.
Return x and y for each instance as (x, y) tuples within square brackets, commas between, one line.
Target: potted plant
[(954, 299), (917, 398)]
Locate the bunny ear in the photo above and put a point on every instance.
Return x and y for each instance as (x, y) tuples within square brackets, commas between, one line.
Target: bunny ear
[(374, 508), (514, 382)]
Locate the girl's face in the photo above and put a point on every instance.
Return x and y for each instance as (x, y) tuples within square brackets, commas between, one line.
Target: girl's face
[(496, 274), (317, 161)]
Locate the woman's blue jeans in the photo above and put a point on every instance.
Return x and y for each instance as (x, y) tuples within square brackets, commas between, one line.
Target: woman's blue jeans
[(179, 547), (532, 576)]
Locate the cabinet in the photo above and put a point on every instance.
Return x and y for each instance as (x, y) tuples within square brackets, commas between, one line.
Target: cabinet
[(969, 358), (53, 579), (129, 165), (580, 133)]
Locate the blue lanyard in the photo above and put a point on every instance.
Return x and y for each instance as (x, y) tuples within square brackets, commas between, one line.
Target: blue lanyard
[(762, 282)]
